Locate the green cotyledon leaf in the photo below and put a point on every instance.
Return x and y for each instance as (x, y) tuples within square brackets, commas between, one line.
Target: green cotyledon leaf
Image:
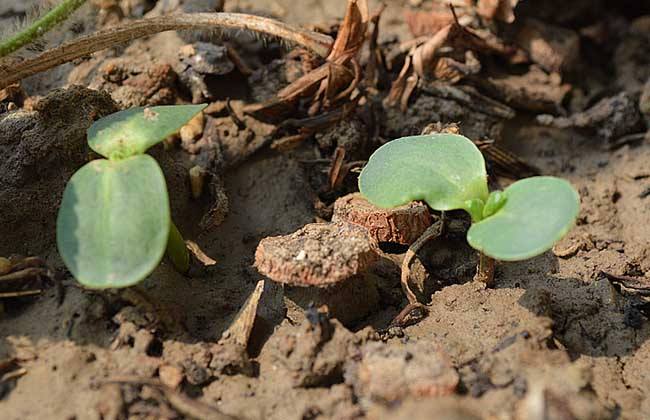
[(114, 221), (537, 212), (447, 171), (133, 131)]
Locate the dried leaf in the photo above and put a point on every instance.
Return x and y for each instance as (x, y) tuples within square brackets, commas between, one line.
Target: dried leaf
[(332, 82)]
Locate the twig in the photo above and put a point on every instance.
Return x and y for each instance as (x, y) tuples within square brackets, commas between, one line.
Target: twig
[(80, 47), (639, 284), (27, 272), (627, 139), (432, 232), (37, 29), (7, 295)]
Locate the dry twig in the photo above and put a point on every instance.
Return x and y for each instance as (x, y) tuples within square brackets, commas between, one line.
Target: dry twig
[(15, 70)]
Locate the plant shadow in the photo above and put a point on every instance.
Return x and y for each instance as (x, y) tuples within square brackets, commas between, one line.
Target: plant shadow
[(590, 315)]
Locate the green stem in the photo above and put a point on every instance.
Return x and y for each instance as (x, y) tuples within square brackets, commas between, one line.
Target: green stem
[(34, 31), (177, 251)]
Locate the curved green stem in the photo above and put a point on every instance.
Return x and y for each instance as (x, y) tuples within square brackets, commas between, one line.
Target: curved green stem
[(177, 251), (34, 31)]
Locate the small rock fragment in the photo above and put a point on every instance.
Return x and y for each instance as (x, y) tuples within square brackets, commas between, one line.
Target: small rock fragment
[(610, 117), (198, 63), (170, 375), (533, 91)]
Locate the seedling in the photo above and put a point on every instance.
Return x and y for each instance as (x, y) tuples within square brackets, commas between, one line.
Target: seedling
[(447, 171), (114, 223)]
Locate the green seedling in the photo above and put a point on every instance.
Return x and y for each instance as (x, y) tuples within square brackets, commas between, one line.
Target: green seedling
[(447, 171), (114, 223)]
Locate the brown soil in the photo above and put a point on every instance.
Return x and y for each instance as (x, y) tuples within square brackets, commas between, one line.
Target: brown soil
[(554, 339)]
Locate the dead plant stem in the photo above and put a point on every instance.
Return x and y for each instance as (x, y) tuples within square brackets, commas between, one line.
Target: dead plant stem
[(11, 72)]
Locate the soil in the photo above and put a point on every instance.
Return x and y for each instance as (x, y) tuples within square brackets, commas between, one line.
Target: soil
[(553, 339)]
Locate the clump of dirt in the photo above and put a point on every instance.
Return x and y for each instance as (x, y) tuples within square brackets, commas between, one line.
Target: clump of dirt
[(43, 148)]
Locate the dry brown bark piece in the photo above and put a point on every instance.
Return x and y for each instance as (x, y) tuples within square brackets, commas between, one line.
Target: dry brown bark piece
[(402, 225), (319, 254)]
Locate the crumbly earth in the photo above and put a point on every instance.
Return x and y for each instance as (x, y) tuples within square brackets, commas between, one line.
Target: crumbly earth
[(553, 339)]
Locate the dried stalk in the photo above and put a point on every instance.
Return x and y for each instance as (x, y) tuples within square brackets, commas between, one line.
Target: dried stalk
[(13, 72), (38, 28), (432, 232)]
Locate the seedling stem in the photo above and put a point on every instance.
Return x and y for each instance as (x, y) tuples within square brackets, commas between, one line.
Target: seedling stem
[(485, 270), (177, 251)]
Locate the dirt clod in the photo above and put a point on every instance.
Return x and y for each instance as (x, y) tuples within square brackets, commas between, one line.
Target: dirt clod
[(389, 374), (313, 354), (319, 254)]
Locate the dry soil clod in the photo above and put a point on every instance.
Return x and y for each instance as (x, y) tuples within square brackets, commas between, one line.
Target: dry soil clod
[(402, 225), (323, 264), (388, 374)]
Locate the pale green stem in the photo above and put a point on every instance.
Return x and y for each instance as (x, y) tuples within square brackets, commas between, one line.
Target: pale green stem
[(177, 251), (35, 30)]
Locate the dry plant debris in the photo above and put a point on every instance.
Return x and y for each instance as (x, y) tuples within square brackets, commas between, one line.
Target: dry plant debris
[(402, 225), (23, 276), (448, 55), (13, 69), (332, 83)]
